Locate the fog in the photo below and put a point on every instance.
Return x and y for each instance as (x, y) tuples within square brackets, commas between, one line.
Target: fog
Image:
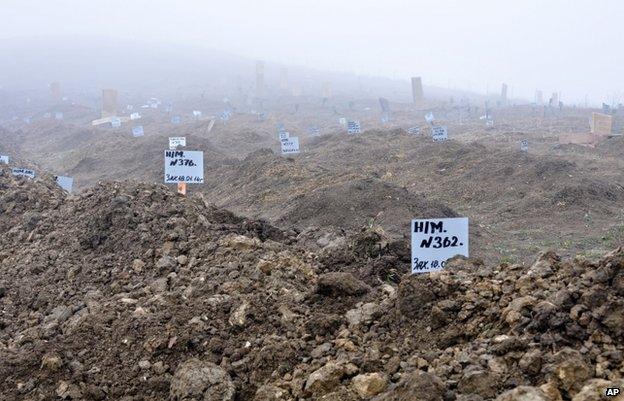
[(556, 46)]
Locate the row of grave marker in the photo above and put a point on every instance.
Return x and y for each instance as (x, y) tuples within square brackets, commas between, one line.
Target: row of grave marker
[(433, 241), (64, 182)]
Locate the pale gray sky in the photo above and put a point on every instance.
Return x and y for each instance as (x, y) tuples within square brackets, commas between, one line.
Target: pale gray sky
[(572, 46)]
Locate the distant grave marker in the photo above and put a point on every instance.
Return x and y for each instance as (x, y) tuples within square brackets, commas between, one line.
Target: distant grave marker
[(413, 130), (434, 241), (109, 103), (314, 130), (439, 133), (197, 113), (135, 116), (23, 172), (342, 121), (176, 141), (384, 104), (283, 135), (353, 127), (115, 122), (64, 182), (4, 159), (601, 124), (210, 125), (184, 166), (176, 120), (225, 115), (524, 145), (290, 145), (429, 118), (137, 131), (417, 89), (153, 103)]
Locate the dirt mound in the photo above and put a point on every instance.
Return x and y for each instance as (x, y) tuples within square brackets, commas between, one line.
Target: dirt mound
[(93, 154), (592, 194), (358, 203), (141, 294), (26, 200)]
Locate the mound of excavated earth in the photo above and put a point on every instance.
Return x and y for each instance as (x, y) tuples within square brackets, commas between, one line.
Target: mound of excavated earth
[(131, 292)]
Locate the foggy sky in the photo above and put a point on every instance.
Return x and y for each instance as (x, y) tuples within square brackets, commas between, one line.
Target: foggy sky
[(572, 46)]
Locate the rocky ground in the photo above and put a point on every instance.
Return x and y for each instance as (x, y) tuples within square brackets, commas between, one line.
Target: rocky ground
[(130, 292)]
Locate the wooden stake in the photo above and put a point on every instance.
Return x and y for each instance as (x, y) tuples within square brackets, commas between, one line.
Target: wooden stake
[(182, 188)]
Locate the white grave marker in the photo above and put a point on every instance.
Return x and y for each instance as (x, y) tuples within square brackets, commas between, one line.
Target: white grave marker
[(290, 145), (64, 182), (184, 166), (210, 125), (135, 116), (413, 130), (434, 241), (4, 159), (439, 133), (283, 135), (23, 172), (197, 113), (429, 118), (342, 121), (176, 141), (353, 127), (524, 145), (137, 131), (115, 122)]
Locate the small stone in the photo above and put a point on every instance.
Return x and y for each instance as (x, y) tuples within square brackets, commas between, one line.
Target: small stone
[(369, 384), (159, 285), (321, 350), (325, 379), (571, 371), (138, 265), (144, 365), (198, 380), (166, 263), (238, 318), (531, 362), (51, 363), (340, 284), (159, 368)]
